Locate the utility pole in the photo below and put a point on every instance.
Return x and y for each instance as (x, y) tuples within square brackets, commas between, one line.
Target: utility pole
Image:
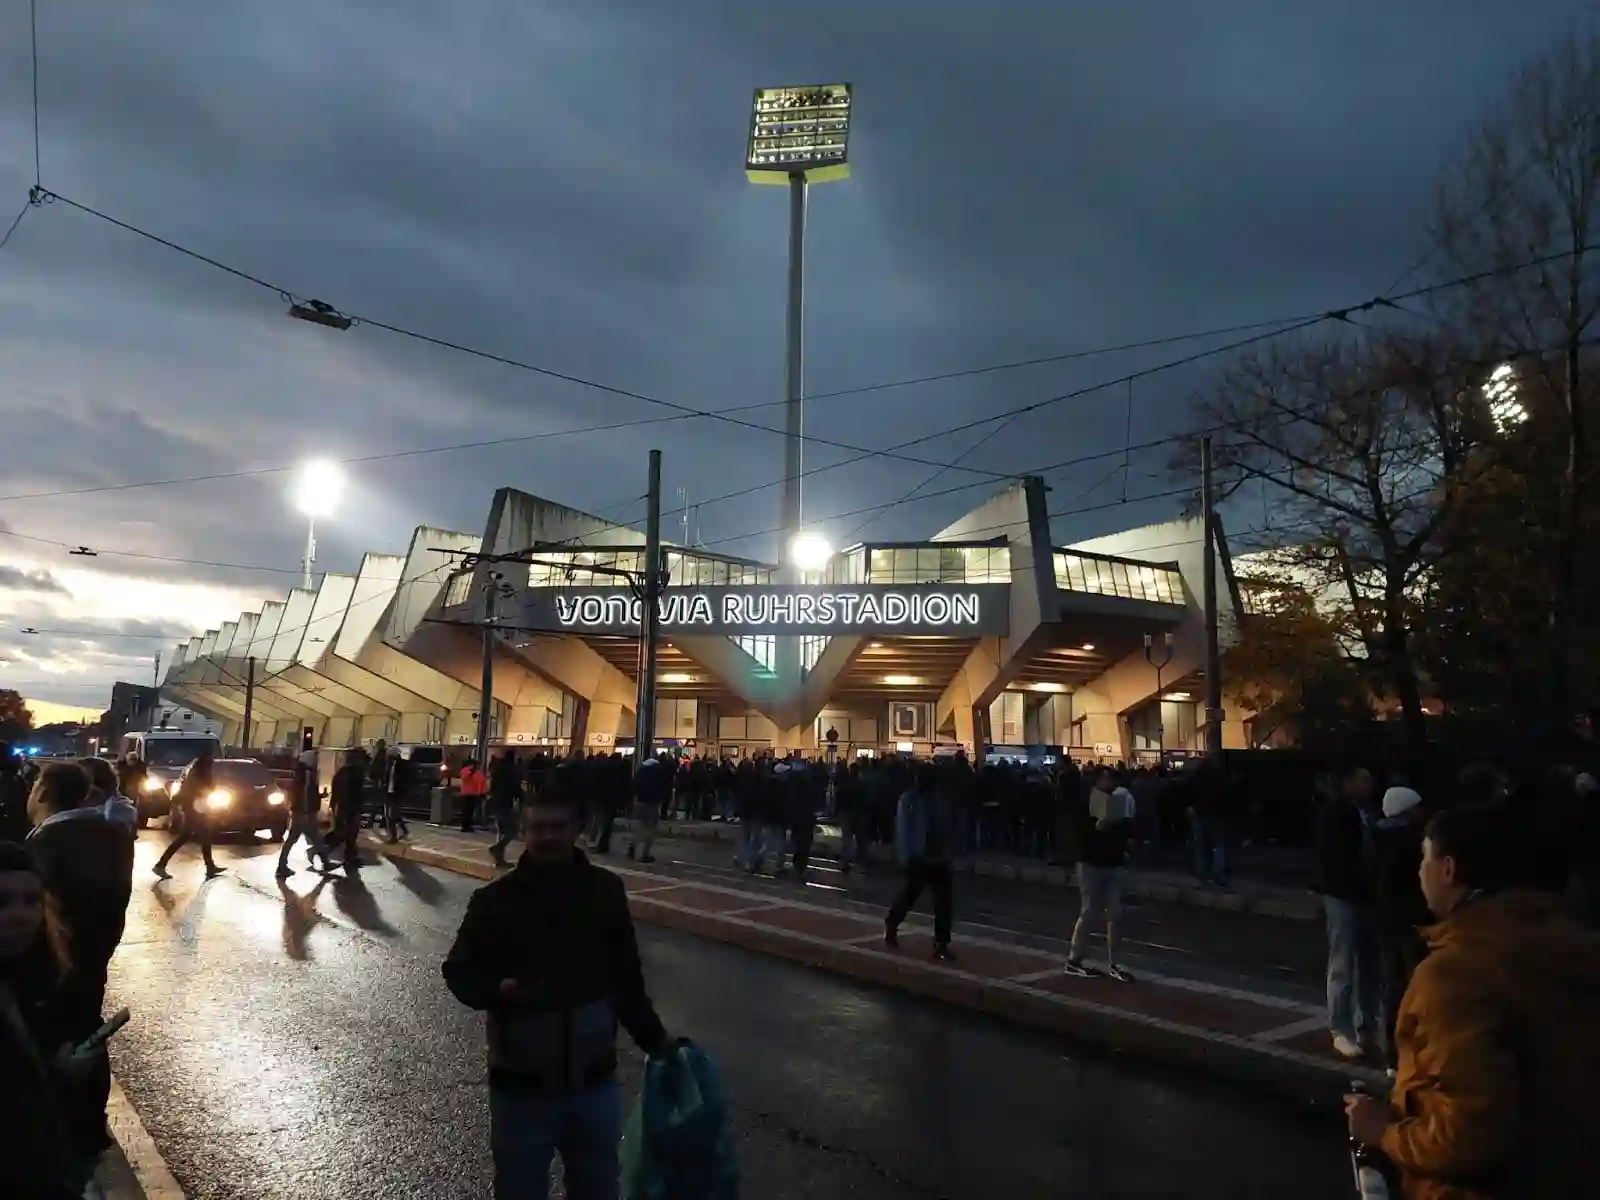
[(249, 702), (644, 729), (1160, 663), (155, 694), (1213, 650), (491, 601)]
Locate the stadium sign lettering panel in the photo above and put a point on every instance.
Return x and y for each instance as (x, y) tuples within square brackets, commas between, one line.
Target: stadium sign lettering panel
[(979, 610)]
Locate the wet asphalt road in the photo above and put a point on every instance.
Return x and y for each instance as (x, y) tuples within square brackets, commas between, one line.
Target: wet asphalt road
[(298, 1041)]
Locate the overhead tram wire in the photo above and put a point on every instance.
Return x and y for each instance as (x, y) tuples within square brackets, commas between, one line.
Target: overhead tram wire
[(611, 526), (1335, 315), (503, 360), (1288, 325)]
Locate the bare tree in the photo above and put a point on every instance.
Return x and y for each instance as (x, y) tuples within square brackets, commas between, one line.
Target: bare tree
[(1366, 445), (1527, 186)]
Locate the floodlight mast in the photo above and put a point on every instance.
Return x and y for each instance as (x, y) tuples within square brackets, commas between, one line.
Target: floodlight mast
[(798, 136)]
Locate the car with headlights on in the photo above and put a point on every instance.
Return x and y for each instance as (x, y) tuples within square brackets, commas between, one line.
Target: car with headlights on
[(165, 753), (243, 798)]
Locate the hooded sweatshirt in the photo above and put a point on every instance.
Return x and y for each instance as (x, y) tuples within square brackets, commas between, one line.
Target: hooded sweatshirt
[(1499, 1054)]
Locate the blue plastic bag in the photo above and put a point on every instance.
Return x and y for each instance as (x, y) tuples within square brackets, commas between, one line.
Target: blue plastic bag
[(677, 1145)]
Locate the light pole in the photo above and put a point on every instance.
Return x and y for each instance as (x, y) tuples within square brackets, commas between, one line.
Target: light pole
[(317, 488), (798, 136), (1159, 662)]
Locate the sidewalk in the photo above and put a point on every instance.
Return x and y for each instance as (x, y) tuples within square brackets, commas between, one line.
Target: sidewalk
[(1251, 1036), (1241, 895)]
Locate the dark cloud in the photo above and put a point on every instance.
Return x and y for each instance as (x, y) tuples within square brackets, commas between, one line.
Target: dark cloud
[(17, 580), (561, 183)]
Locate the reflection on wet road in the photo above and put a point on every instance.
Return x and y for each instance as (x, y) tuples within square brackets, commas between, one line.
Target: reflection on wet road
[(296, 1039)]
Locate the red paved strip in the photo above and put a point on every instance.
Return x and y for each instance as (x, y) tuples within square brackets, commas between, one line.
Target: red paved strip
[(988, 961), (835, 927), (704, 899), (1217, 1014)]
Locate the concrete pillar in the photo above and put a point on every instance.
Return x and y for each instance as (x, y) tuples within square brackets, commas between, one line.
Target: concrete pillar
[(596, 724)]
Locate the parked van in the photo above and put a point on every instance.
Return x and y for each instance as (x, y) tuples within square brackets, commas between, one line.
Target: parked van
[(165, 753)]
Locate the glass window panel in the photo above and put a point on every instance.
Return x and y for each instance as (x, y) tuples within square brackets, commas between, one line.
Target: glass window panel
[(1091, 574), (952, 566), (1075, 573), (882, 566), (1119, 574)]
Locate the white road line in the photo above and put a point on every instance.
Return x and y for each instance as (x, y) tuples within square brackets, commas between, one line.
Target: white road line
[(1036, 976), (1284, 1032), (739, 912), (149, 1168)]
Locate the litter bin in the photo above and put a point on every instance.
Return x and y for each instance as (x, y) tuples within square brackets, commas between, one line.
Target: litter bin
[(443, 806)]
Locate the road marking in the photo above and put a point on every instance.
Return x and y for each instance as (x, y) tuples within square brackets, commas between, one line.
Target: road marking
[(1036, 976), (1284, 1032), (732, 912), (149, 1168)]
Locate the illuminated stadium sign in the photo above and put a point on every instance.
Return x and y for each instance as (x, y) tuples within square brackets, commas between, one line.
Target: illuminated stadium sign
[(979, 610)]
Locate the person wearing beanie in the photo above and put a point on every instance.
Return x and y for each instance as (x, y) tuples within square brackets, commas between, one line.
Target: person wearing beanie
[(1394, 858)]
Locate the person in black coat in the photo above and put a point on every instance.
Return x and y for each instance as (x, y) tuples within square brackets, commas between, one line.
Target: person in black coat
[(36, 1147), (548, 953), (347, 791), (198, 782), (86, 860), (1395, 858)]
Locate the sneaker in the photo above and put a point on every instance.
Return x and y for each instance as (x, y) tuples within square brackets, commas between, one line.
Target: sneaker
[(647, 858), (891, 937), (160, 872), (213, 872), (1119, 974), (285, 872), (944, 954), (1347, 1047), (1080, 969)]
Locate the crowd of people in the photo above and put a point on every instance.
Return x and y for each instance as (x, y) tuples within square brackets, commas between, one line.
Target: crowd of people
[(1459, 914)]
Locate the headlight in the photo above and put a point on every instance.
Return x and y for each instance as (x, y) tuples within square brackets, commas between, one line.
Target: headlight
[(274, 797), (152, 784), (219, 800)]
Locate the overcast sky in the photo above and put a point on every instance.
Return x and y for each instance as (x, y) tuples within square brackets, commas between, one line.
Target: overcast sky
[(561, 182)]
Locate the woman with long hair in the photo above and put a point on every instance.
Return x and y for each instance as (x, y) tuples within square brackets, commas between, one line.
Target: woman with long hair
[(35, 1146)]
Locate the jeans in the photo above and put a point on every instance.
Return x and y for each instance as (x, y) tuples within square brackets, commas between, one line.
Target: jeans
[(750, 848), (303, 825), (1208, 844), (527, 1129), (505, 824), (919, 874), (642, 835), (1353, 985), (394, 817)]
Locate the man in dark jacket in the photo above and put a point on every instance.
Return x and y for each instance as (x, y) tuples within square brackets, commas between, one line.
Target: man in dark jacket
[(307, 805), (86, 860), (14, 823), (1399, 907), (197, 784), (548, 953), (505, 794), (346, 792), (1342, 877)]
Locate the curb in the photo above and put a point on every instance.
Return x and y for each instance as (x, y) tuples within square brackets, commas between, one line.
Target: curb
[(1289, 1074), (136, 1169), (1289, 907)]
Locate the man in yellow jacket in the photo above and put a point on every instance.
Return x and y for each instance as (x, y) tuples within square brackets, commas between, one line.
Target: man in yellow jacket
[(1497, 1092)]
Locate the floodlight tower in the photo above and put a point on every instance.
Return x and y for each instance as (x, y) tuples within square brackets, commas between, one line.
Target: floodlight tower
[(798, 136)]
